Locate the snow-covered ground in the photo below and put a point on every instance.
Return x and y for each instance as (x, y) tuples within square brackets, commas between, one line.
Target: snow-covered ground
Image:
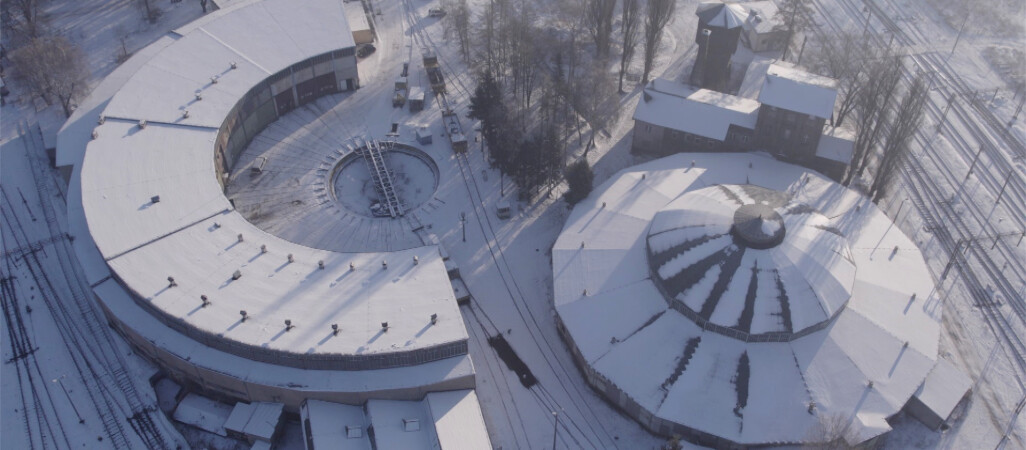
[(506, 263)]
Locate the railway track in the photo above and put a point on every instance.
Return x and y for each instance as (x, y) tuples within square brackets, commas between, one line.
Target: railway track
[(935, 198), (108, 384), (573, 434)]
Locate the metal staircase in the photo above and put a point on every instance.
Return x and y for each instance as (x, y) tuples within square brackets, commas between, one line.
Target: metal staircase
[(374, 156)]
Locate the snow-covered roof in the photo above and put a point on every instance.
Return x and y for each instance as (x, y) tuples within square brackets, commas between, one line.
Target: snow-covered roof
[(755, 77), (723, 15), (450, 420), (697, 111), (257, 419), (203, 413), (261, 38), (457, 371), (401, 424), (334, 425), (357, 17), (708, 251), (836, 144), (863, 364), (764, 19), (458, 421), (793, 89), (155, 209), (943, 388)]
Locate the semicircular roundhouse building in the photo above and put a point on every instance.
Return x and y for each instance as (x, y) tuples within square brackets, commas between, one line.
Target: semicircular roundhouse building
[(219, 303)]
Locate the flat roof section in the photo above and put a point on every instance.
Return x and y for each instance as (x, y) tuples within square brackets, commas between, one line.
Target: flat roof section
[(262, 38), (700, 112), (793, 89), (204, 258), (126, 166)]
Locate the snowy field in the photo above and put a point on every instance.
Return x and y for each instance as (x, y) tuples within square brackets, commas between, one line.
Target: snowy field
[(506, 264)]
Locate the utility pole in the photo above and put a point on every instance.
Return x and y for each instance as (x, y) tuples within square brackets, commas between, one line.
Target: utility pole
[(944, 115), (973, 166), (555, 429), (951, 262), (1007, 179), (959, 36), (463, 222), (869, 16), (59, 380), (790, 34), (802, 50)]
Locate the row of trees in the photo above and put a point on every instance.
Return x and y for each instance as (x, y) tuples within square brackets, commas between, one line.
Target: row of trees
[(885, 113), (546, 72)]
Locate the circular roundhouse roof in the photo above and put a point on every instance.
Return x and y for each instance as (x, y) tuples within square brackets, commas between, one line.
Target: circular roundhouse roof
[(749, 247), (736, 296)]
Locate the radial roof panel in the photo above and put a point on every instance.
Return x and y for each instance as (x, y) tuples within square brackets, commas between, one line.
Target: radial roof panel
[(723, 15), (715, 259), (126, 167)]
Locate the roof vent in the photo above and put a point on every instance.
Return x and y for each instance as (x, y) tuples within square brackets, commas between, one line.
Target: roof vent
[(288, 325), (334, 329), (243, 314), (217, 225), (263, 248), (292, 259), (206, 302), (870, 385), (416, 260), (434, 319), (384, 264), (585, 293), (199, 96), (320, 264), (603, 204), (646, 96), (235, 65), (213, 79), (582, 244), (95, 134), (352, 266), (185, 114), (155, 199), (812, 407), (142, 123), (384, 327), (102, 119), (240, 237), (411, 425), (237, 274), (354, 432), (171, 282)]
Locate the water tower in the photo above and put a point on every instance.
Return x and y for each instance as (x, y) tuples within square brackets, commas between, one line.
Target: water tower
[(719, 29)]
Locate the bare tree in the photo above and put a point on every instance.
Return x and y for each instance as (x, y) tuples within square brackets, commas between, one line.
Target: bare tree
[(907, 119), (53, 68), (596, 101), (795, 16), (629, 29), (122, 33), (23, 18), (203, 4), (600, 24), (457, 23), (832, 432), (843, 56), (872, 110), (657, 14)]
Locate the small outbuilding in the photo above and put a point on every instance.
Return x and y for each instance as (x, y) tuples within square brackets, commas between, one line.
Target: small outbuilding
[(358, 23)]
